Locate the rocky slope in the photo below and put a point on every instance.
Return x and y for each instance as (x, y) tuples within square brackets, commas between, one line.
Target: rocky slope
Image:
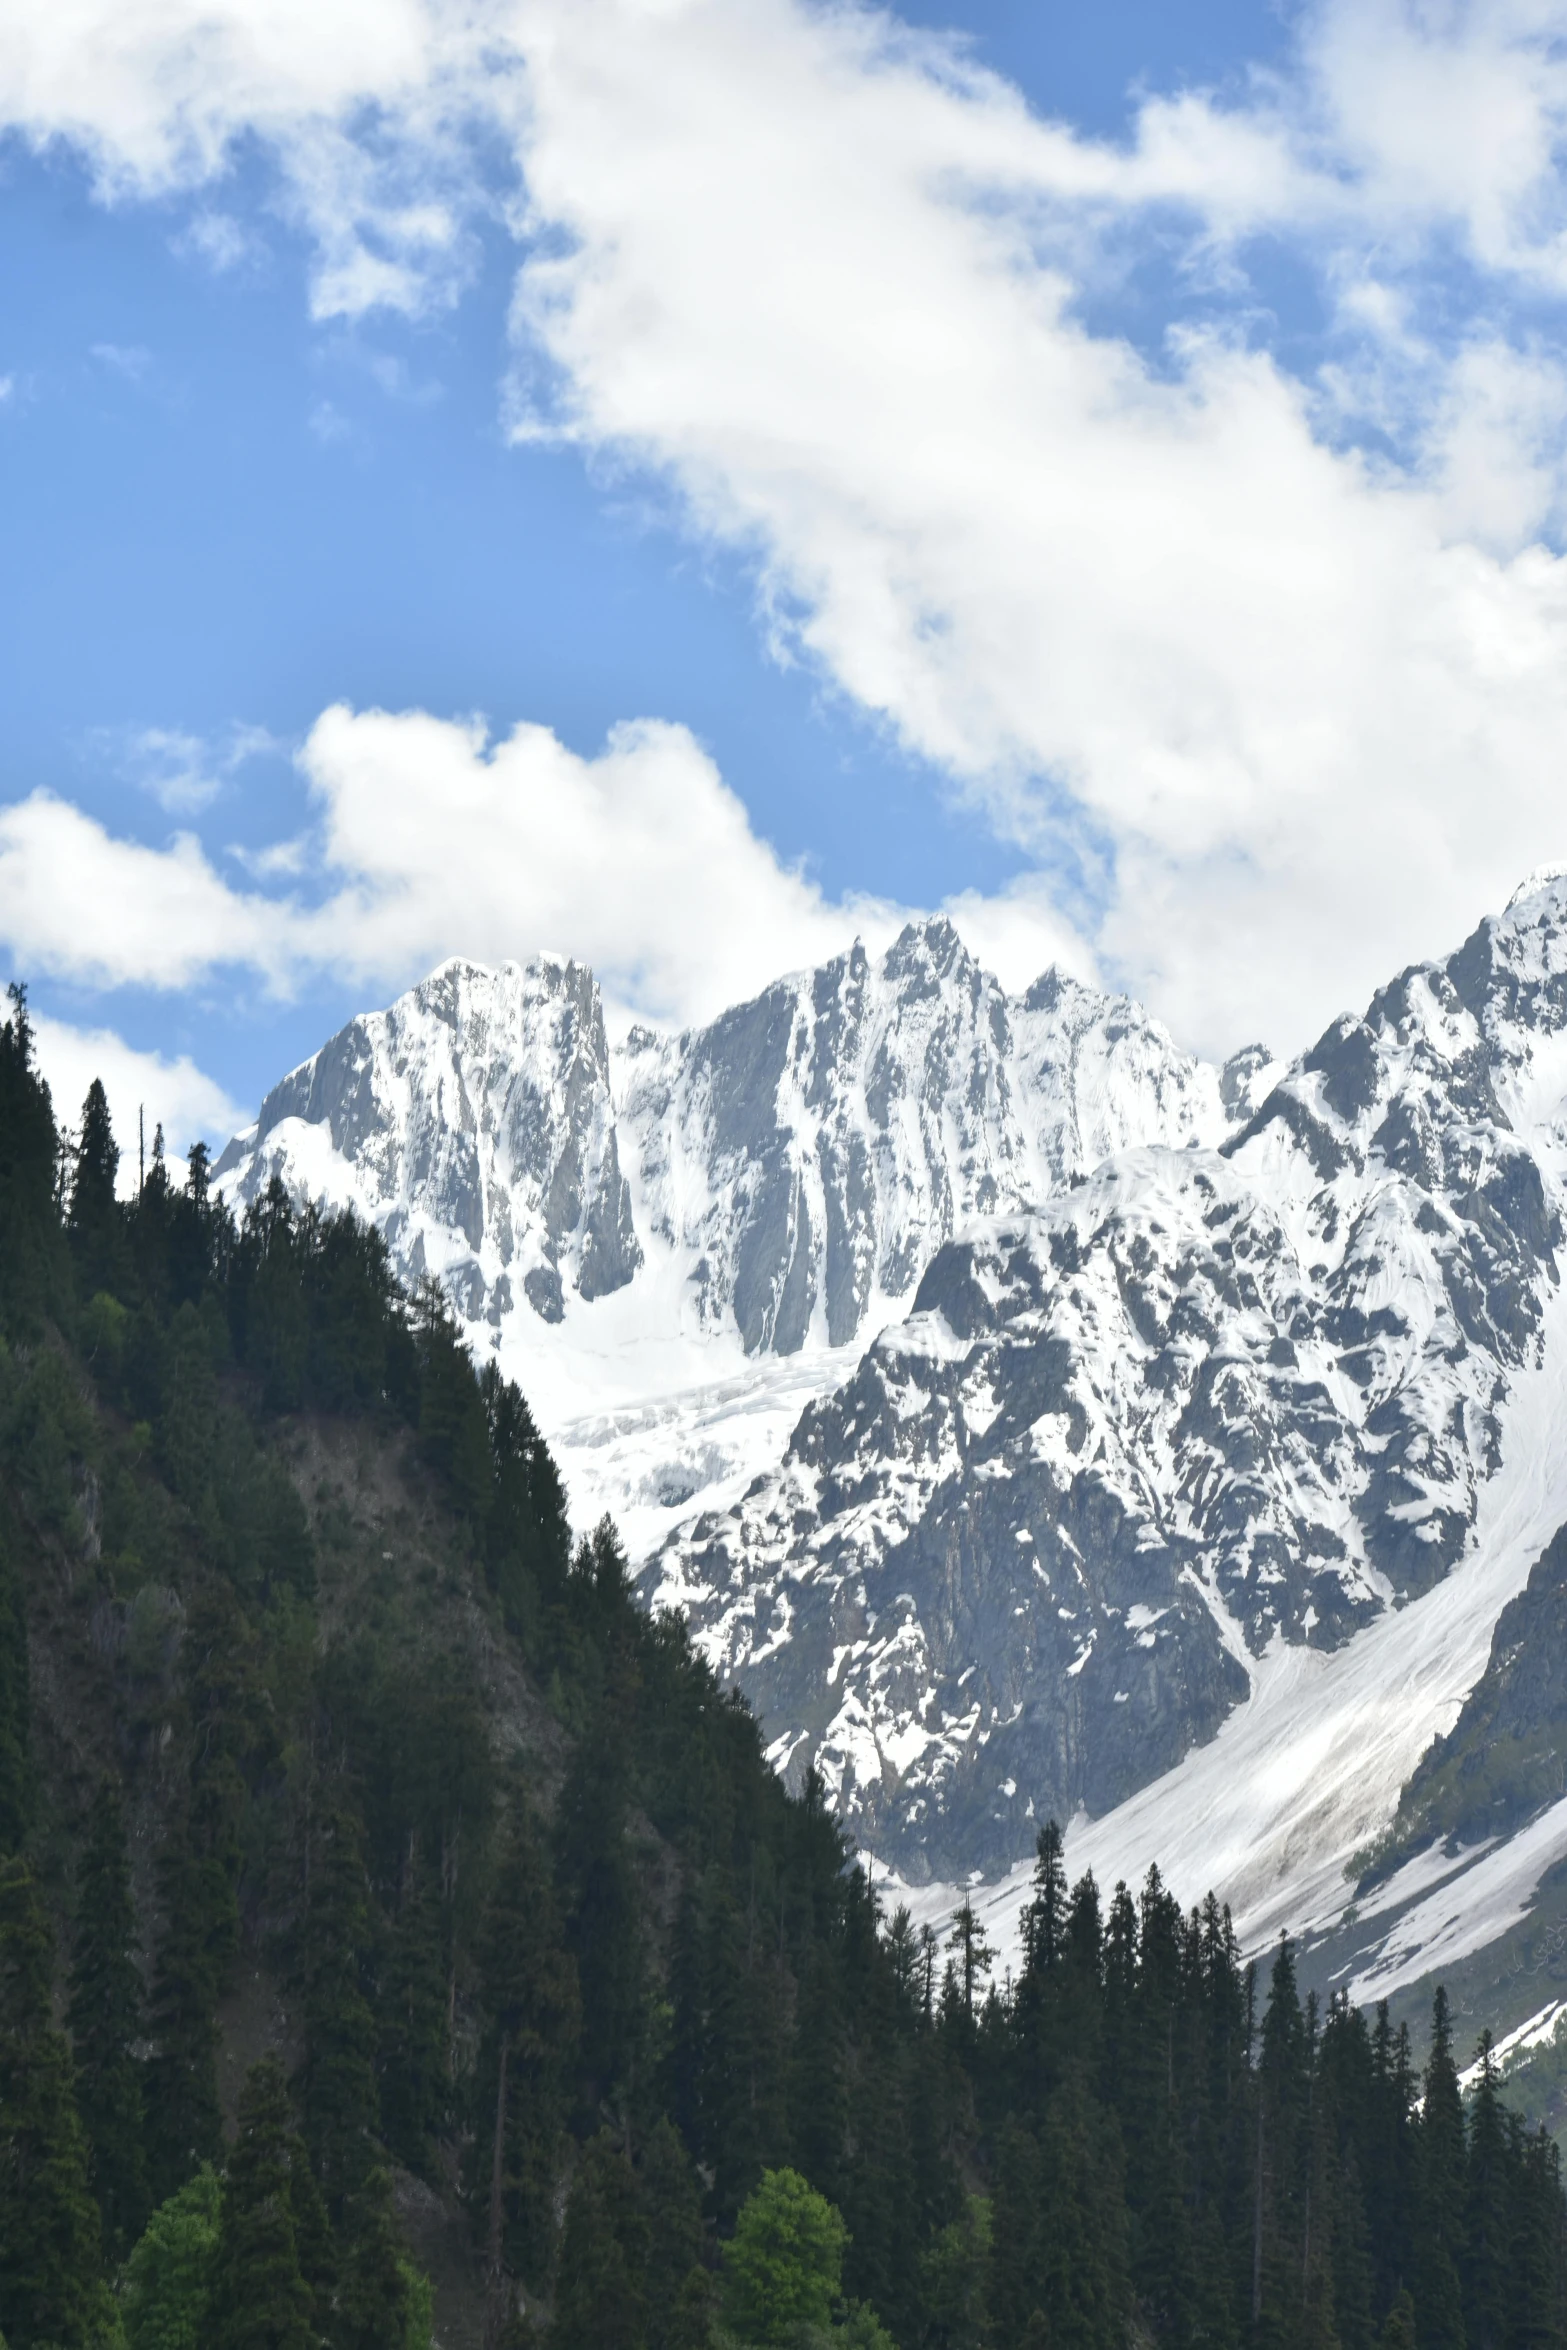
[(1200, 1404)]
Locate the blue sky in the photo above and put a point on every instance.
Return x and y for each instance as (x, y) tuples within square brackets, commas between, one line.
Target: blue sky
[(1082, 474)]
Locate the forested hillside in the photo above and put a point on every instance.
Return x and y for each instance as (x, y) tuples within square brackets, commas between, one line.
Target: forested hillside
[(387, 1902)]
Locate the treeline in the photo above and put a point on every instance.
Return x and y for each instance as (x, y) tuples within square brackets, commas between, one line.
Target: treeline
[(545, 1937)]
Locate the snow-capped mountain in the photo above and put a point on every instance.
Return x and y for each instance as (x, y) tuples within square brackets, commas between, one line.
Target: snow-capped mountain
[(1029, 1417), (1205, 1405), (672, 1242)]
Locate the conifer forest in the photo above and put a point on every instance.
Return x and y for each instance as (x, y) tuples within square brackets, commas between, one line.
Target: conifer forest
[(403, 1939)]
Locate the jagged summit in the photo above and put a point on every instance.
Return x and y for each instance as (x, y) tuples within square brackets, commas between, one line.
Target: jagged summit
[(800, 1156)]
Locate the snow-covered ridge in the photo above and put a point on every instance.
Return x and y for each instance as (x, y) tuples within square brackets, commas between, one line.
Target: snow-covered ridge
[(643, 1231), (1137, 1452)]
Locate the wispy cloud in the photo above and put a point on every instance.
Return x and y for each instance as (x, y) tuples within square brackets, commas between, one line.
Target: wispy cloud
[(128, 360), (183, 772), (222, 242)]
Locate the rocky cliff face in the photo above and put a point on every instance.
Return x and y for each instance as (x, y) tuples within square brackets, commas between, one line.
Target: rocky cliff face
[(810, 1150), (473, 1122), (1203, 1402), (796, 1162)]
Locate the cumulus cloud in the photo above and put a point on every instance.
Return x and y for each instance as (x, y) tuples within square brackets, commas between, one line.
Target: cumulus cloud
[(189, 1105), (1277, 661), (431, 840), (1313, 704)]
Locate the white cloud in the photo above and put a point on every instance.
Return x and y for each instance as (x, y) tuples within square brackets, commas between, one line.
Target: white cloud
[(431, 841), (189, 1105), (1300, 706), (1313, 705), (363, 103)]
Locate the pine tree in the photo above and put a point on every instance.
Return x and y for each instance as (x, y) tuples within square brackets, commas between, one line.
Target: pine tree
[(97, 1237), (373, 2299), (601, 2288), (32, 1259), (670, 2201), (51, 2289), (1491, 2201), (411, 2064), (181, 2091), (528, 1990), (16, 1773), (261, 2300), (105, 2019), (1439, 2194), (337, 2080)]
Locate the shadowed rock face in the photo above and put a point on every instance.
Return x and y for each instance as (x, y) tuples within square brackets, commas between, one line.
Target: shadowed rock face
[(1200, 1402)]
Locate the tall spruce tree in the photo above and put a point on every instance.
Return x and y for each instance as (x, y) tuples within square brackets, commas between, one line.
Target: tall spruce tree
[(337, 2080), (95, 1225), (51, 2286), (601, 2286), (16, 1765), (1438, 2247), (106, 2024), (261, 2300)]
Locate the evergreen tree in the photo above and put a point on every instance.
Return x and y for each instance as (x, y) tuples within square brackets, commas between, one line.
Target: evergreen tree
[(183, 2126), (337, 2080), (528, 1988), (16, 1775), (97, 1236), (1490, 2204), (105, 2019), (32, 1258), (670, 2201), (1439, 2194), (601, 2289), (261, 2300), (51, 2290), (411, 2063), (374, 2300)]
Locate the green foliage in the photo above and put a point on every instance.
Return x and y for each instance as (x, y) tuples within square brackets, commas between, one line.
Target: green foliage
[(375, 2298), (261, 2299), (337, 2080), (16, 1774), (544, 1919), (784, 2263), (600, 2299), (169, 2278), (105, 2018), (51, 2289), (32, 1262)]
